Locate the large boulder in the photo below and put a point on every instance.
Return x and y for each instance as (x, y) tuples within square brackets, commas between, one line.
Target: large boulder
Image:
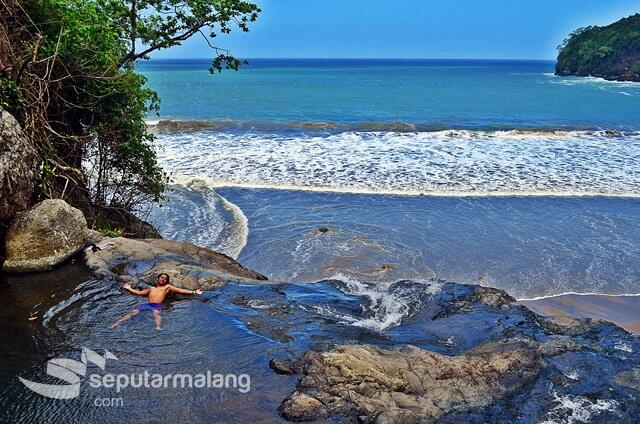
[(19, 168), (44, 236), (409, 385)]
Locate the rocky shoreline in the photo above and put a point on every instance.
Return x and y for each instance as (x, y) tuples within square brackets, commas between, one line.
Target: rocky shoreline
[(464, 353), (610, 52), (467, 353), (516, 366)]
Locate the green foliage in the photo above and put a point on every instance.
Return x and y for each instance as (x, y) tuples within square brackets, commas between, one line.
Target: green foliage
[(72, 84), (111, 232), (611, 52), (161, 24), (9, 97), (96, 110)]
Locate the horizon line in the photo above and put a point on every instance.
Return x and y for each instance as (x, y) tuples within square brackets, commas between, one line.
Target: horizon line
[(355, 58)]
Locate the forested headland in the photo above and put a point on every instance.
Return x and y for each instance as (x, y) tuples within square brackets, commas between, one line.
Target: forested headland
[(611, 52)]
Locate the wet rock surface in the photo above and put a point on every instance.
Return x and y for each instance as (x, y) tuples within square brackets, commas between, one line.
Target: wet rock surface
[(335, 351), (44, 236), (469, 354), (408, 352), (19, 168), (188, 266), (283, 367), (411, 384)]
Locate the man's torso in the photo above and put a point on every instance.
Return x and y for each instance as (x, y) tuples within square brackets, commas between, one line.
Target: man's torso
[(158, 294)]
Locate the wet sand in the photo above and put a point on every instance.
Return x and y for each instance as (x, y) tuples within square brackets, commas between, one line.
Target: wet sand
[(621, 310)]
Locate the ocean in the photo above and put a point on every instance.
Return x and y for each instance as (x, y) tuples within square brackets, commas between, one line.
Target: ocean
[(366, 186), (489, 172)]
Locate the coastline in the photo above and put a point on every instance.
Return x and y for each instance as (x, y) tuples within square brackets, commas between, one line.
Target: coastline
[(291, 338), (312, 250), (428, 278), (325, 240), (455, 328), (213, 183), (622, 310)]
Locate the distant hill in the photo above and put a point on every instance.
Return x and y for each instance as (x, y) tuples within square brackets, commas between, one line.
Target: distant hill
[(611, 52)]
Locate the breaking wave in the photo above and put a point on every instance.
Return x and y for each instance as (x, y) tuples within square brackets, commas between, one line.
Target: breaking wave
[(162, 126), (448, 163)]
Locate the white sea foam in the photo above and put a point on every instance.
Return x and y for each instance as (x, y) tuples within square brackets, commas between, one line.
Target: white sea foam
[(573, 80), (571, 293), (623, 347), (238, 236), (447, 163), (384, 309), (205, 224), (577, 409)]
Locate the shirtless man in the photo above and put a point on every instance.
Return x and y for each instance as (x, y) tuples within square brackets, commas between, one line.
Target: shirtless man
[(157, 295)]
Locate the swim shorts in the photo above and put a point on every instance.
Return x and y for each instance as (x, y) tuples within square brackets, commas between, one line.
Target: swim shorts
[(149, 307)]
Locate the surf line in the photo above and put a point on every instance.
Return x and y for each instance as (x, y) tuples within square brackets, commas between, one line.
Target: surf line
[(186, 180)]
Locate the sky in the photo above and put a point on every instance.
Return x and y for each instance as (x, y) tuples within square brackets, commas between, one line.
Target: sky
[(439, 29)]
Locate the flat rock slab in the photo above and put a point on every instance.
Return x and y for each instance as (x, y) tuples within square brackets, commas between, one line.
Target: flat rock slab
[(409, 384), (188, 266)]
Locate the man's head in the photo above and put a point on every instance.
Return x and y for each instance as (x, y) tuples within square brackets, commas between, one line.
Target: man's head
[(162, 280)]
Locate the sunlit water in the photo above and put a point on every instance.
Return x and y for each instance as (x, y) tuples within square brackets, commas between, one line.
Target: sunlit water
[(360, 172), (491, 172), (529, 246), (449, 94)]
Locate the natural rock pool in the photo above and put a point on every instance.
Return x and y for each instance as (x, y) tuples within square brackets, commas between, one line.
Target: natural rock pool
[(519, 366)]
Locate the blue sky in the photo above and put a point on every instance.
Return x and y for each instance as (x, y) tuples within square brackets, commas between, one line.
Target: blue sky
[(478, 29)]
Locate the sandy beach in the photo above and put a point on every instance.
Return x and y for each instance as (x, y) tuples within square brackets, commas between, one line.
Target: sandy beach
[(621, 310)]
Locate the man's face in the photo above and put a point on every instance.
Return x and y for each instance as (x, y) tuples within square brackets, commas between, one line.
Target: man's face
[(162, 280)]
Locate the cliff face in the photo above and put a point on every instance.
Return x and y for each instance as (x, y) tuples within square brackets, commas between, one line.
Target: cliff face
[(611, 52)]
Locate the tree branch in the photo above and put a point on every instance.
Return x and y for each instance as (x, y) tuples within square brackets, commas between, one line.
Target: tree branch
[(133, 18), (132, 56)]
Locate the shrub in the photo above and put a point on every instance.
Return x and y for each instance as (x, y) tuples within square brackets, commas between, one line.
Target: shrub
[(67, 73)]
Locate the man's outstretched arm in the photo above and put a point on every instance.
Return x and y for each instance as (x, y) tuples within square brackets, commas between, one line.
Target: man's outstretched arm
[(130, 289), (184, 291)]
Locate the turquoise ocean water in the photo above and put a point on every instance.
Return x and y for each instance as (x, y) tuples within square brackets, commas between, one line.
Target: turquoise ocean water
[(495, 172), (443, 94), (342, 178)]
